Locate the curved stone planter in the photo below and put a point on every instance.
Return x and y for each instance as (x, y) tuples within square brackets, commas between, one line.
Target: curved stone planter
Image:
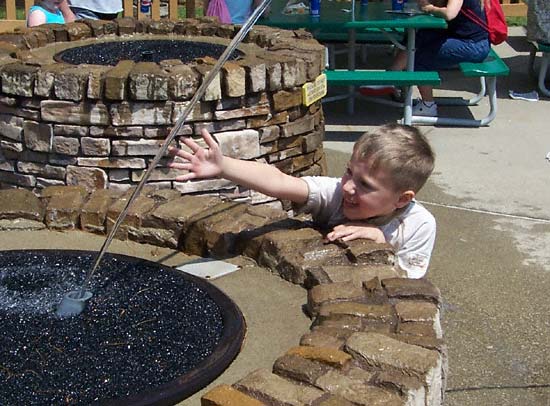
[(375, 336), (99, 126)]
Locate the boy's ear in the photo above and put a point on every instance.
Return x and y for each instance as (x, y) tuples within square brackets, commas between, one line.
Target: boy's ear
[(405, 198)]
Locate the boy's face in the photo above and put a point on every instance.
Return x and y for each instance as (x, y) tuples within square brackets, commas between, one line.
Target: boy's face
[(370, 194)]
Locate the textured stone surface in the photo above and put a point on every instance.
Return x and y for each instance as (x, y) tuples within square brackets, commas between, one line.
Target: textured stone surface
[(332, 293), (225, 395), (20, 204), (274, 390), (64, 205), (325, 355)]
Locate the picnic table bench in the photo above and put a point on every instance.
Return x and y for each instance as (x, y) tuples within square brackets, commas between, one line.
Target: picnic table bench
[(487, 72)]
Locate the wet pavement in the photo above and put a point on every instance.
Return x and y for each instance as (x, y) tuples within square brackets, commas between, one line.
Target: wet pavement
[(489, 193)]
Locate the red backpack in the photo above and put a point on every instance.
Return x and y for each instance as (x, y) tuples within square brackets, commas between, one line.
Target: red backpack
[(496, 22)]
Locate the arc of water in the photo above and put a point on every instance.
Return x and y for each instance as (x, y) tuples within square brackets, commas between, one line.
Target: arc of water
[(196, 97)]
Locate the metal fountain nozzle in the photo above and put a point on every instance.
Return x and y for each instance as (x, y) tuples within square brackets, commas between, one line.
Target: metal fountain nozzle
[(73, 303)]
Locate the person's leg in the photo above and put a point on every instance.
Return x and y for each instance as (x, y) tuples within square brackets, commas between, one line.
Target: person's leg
[(426, 93), (400, 61)]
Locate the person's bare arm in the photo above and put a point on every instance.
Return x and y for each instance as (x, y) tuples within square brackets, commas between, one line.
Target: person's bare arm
[(448, 12), (35, 18), (68, 14), (208, 163)]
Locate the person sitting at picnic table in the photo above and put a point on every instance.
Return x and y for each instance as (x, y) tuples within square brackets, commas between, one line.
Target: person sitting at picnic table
[(462, 41), (45, 12), (373, 200)]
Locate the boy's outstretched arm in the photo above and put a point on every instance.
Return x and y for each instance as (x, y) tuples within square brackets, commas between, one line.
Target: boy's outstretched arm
[(209, 163)]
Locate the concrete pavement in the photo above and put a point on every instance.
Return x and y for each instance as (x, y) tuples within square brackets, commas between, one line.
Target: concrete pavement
[(490, 194)]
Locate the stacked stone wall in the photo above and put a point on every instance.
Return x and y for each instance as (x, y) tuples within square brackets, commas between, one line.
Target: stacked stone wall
[(375, 337), (100, 126)]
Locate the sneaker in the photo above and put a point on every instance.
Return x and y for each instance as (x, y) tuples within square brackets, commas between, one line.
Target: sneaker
[(422, 108), (377, 90)]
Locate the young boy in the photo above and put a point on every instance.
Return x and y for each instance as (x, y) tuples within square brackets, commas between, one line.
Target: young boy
[(373, 200)]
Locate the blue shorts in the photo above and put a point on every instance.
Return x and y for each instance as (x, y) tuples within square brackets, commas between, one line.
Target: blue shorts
[(437, 52)]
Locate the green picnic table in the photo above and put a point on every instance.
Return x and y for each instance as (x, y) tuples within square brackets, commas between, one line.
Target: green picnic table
[(353, 19)]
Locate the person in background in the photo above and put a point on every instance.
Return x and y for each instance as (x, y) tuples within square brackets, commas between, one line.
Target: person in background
[(45, 12), (462, 41), (91, 9), (373, 200), (239, 10)]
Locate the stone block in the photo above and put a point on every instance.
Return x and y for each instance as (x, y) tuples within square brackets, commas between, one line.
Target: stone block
[(233, 79), (324, 355), (18, 79), (387, 354), (410, 388), (362, 251), (357, 391), (21, 224), (17, 179), (131, 163), (175, 213), (259, 110), (90, 178), (116, 79), (220, 126), (49, 171), (70, 130), (274, 390), (141, 113), (203, 185), (64, 205), (38, 136), (200, 112), (285, 100), (96, 80), (68, 112), (139, 209), (332, 293), (20, 204), (417, 289), (356, 274), (71, 84), (320, 339), (214, 89), (94, 211), (147, 81), (364, 312), (135, 148), (183, 82), (225, 395), (66, 145), (244, 144), (11, 127), (95, 146), (256, 74), (11, 146), (299, 369)]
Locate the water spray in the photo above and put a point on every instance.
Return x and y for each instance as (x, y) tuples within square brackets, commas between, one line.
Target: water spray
[(74, 302)]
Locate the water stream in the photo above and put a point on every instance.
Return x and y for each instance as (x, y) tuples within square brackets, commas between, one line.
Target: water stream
[(175, 130)]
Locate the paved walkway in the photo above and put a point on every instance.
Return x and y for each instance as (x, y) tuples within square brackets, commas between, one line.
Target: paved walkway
[(490, 194)]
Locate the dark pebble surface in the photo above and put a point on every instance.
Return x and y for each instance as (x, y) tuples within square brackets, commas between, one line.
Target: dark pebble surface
[(110, 53), (143, 327)]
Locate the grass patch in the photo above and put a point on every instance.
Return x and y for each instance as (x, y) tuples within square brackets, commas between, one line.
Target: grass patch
[(516, 21)]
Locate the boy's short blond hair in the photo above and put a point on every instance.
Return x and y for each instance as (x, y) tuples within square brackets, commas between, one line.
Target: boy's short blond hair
[(400, 150)]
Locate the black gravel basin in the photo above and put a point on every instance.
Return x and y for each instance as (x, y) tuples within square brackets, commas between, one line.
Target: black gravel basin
[(110, 53), (150, 335)]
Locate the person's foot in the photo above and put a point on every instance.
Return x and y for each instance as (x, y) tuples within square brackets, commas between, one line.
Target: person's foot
[(377, 90), (426, 109)]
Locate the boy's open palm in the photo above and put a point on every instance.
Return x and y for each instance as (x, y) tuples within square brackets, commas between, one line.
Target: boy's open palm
[(202, 163)]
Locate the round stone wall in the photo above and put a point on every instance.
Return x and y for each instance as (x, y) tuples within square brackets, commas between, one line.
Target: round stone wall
[(100, 126)]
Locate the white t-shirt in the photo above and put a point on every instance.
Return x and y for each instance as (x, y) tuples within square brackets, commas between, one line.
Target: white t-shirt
[(99, 6), (411, 233)]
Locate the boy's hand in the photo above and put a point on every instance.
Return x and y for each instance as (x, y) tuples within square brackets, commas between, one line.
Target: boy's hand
[(202, 163), (354, 231)]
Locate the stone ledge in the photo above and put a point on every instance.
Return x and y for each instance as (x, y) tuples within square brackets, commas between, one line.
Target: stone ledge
[(375, 337)]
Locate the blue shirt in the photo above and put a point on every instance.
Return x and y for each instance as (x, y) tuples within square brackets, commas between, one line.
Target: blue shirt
[(239, 10), (51, 18)]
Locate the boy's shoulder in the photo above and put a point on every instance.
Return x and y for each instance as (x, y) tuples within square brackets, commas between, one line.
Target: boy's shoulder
[(419, 214)]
